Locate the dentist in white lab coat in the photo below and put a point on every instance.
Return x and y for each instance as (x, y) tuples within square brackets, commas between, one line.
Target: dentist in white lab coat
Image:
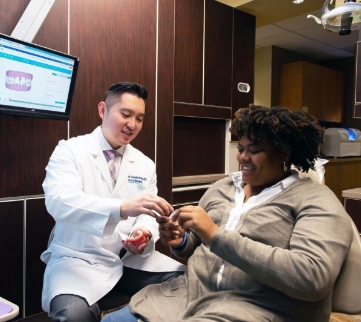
[(94, 215)]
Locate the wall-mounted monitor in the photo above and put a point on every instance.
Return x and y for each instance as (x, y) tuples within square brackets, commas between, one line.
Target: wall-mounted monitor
[(35, 81)]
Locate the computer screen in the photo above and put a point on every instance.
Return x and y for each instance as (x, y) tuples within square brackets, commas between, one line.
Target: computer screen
[(35, 81)]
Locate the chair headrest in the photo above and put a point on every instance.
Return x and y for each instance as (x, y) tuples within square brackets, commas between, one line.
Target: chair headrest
[(347, 290)]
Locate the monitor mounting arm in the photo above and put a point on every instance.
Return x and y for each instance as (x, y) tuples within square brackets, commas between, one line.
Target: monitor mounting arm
[(32, 19)]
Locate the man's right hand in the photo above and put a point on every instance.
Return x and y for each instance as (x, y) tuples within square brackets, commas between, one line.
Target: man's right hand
[(144, 204), (170, 233)]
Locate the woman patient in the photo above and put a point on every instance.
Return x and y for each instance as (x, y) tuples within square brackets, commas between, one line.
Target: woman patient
[(263, 244)]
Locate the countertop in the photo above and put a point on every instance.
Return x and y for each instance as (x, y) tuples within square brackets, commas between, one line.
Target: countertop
[(352, 193), (332, 160)]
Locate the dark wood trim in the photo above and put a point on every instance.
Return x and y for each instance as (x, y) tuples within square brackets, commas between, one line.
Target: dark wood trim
[(165, 90), (193, 110), (165, 97), (197, 179)]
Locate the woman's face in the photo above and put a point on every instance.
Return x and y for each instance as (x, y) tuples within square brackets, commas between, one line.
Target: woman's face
[(261, 163)]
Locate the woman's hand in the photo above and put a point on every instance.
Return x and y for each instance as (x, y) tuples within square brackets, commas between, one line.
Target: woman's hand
[(138, 241), (170, 233), (194, 218)]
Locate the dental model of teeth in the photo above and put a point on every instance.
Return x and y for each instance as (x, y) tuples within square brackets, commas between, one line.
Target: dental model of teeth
[(18, 81)]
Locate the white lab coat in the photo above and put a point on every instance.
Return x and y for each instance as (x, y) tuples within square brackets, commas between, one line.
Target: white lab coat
[(83, 256)]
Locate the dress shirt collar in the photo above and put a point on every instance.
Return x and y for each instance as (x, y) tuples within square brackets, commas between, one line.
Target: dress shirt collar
[(104, 145), (236, 178)]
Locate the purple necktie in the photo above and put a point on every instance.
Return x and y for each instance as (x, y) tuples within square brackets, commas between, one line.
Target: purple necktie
[(110, 156)]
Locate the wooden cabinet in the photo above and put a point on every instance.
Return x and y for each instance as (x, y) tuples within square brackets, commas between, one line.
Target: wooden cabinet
[(357, 106), (332, 95), (213, 52), (318, 90), (353, 208), (343, 174), (203, 52), (352, 203)]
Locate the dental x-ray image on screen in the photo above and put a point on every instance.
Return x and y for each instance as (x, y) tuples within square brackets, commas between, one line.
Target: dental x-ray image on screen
[(35, 81)]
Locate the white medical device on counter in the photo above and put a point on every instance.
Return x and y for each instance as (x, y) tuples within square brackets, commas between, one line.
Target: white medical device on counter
[(341, 142)]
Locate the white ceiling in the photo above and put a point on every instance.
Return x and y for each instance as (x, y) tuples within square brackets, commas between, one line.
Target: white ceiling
[(284, 24), (304, 36)]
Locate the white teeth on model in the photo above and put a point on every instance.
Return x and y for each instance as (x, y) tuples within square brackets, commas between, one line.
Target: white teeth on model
[(18, 81)]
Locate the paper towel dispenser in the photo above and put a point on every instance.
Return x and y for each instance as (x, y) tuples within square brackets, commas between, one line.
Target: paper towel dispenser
[(341, 142)]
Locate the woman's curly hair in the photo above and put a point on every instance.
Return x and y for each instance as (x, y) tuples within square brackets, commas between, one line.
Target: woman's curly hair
[(296, 133)]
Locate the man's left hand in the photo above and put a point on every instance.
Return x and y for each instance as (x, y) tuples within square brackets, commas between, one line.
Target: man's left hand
[(136, 243)]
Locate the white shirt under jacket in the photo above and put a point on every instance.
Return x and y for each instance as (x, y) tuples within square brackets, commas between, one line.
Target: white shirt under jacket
[(83, 257)]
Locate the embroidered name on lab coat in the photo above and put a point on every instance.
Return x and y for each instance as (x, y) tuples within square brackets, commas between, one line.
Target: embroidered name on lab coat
[(138, 181)]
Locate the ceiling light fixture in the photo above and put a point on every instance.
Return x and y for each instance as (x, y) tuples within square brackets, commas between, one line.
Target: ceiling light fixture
[(297, 1), (342, 19)]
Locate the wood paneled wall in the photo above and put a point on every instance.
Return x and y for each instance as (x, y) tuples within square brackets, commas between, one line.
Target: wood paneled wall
[(11, 254), (189, 71), (204, 151), (188, 51), (116, 41), (26, 146)]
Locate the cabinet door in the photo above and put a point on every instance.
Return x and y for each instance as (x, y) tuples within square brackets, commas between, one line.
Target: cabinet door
[(300, 87), (218, 54), (291, 86), (358, 73), (188, 51), (332, 178), (349, 175), (332, 95), (358, 175), (311, 83), (353, 208)]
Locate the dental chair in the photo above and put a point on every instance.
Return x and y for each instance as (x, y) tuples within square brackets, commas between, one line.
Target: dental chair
[(346, 297)]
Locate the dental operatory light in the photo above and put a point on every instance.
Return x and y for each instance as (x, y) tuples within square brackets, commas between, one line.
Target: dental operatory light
[(342, 19)]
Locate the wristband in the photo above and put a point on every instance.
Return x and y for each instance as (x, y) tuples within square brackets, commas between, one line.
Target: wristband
[(182, 244)]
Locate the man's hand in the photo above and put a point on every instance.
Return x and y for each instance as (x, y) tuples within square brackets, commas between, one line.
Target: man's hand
[(145, 204), (138, 241), (170, 233), (194, 218)]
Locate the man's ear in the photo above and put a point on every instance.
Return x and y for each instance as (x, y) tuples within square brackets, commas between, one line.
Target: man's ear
[(102, 110)]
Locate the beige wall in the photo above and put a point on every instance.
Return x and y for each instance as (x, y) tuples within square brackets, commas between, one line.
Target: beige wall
[(263, 76)]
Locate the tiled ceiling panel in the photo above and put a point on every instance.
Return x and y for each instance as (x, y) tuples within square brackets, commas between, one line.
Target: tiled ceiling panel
[(296, 32)]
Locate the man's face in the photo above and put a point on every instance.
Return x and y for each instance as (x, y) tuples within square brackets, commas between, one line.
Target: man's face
[(123, 121)]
